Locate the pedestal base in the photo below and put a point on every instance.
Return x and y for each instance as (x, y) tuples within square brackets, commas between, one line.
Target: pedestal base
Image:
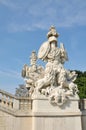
[(49, 117)]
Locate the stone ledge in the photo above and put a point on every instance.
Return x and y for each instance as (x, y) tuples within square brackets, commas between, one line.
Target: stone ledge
[(16, 113), (56, 114)]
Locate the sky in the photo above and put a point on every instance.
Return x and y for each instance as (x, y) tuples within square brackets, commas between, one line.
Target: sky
[(23, 28)]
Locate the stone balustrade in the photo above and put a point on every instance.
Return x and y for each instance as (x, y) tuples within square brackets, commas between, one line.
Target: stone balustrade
[(6, 99), (82, 104), (25, 104), (85, 104), (14, 103)]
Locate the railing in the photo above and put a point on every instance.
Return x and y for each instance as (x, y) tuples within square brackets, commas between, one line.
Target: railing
[(82, 104), (12, 102)]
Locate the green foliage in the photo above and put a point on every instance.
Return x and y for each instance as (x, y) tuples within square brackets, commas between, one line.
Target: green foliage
[(81, 82)]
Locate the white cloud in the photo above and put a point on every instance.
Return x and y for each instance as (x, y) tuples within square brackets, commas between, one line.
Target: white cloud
[(14, 27), (10, 73), (9, 4), (32, 14)]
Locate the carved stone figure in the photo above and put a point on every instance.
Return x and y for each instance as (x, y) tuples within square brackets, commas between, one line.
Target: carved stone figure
[(54, 56), (57, 83), (58, 96), (66, 79), (54, 81), (32, 73)]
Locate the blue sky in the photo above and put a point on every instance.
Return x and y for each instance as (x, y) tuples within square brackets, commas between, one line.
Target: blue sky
[(23, 28)]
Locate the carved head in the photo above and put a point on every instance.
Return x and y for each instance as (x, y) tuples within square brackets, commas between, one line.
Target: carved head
[(33, 58), (52, 35), (52, 32)]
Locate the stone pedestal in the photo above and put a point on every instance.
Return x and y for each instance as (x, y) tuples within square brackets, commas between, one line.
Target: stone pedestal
[(49, 117)]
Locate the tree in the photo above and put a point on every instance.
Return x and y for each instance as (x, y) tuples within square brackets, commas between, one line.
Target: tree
[(81, 82)]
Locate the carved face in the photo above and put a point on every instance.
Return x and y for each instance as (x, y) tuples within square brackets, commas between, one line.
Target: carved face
[(34, 68), (53, 44)]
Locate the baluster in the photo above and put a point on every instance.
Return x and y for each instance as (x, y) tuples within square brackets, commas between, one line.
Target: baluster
[(2, 100), (21, 104), (30, 104), (0, 97), (85, 104), (26, 104), (10, 102), (6, 100)]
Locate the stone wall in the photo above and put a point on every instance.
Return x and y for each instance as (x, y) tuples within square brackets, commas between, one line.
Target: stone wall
[(24, 114), (83, 110), (10, 122)]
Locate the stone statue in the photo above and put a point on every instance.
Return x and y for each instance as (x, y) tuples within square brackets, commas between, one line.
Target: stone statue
[(54, 81), (57, 83), (55, 58), (32, 73)]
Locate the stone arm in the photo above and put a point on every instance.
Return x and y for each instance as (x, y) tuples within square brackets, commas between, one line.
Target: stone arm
[(25, 72), (64, 56)]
